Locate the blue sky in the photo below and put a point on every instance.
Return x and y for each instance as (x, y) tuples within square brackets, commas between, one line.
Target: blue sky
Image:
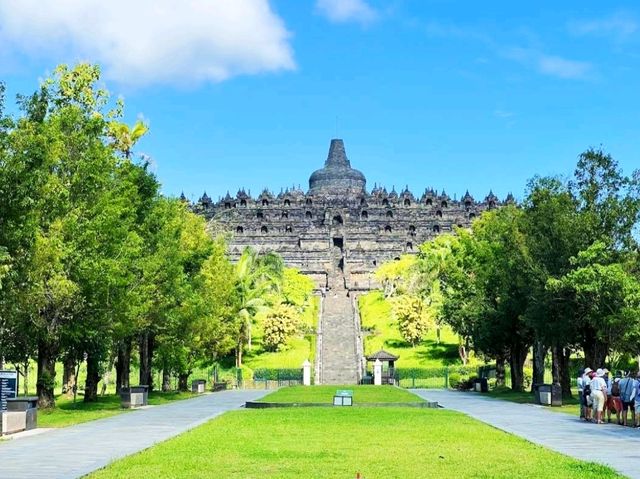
[(425, 93)]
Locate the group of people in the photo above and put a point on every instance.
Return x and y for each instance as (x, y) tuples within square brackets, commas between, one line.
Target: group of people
[(600, 393)]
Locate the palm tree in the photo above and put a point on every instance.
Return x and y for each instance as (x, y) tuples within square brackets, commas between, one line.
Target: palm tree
[(257, 277)]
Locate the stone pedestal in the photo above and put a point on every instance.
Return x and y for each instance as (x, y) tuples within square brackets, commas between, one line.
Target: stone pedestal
[(377, 373), (135, 396), (306, 373)]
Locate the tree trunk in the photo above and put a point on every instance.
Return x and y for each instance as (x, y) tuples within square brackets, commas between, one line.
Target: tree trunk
[(123, 365), (46, 374), (146, 356), (517, 357), (25, 383), (166, 379), (182, 381), (93, 378), (68, 376), (595, 351), (239, 354), (500, 374), (565, 378), (539, 354)]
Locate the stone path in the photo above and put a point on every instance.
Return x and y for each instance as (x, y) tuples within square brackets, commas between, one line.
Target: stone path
[(609, 444), (74, 451)]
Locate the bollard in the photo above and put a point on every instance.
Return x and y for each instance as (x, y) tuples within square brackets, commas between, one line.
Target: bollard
[(306, 373)]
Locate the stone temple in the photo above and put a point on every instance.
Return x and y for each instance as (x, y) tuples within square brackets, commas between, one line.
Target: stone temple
[(337, 230), (338, 233)]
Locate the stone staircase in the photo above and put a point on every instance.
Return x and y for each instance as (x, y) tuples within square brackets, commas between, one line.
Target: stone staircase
[(339, 357)]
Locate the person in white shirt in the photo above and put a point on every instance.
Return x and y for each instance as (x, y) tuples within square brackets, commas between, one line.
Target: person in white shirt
[(598, 394), (628, 391)]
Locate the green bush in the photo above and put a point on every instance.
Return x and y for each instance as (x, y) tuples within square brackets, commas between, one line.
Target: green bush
[(274, 374)]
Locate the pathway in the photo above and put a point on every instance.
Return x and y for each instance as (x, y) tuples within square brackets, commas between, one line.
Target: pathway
[(614, 445), (339, 358), (74, 451)]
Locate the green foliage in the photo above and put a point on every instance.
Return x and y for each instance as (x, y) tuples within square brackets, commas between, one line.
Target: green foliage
[(277, 374), (280, 324), (412, 317)]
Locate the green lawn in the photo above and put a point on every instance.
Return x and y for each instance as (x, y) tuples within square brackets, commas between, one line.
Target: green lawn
[(324, 394), (377, 318), (67, 413), (339, 442), (570, 406)]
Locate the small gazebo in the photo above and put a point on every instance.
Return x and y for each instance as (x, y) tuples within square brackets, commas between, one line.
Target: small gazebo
[(388, 361)]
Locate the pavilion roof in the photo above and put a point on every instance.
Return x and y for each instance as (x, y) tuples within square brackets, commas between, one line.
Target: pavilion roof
[(382, 355)]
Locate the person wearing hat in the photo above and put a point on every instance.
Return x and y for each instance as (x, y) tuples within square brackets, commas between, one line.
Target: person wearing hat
[(628, 391), (598, 394), (584, 393)]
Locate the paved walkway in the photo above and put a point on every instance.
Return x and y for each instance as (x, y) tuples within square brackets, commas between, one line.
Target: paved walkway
[(615, 446), (74, 451)]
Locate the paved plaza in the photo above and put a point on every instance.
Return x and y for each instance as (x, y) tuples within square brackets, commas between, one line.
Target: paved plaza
[(74, 451), (610, 444)]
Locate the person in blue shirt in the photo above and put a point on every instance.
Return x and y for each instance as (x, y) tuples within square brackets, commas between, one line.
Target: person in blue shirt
[(628, 392)]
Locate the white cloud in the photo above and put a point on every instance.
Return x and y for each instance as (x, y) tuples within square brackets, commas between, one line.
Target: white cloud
[(143, 42), (618, 25), (551, 65), (340, 11), (562, 67)]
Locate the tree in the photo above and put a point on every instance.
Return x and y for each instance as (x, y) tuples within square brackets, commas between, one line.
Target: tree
[(280, 324), (256, 278), (413, 318)]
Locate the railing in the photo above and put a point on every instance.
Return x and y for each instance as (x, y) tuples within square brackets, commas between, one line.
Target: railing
[(360, 359), (318, 365)]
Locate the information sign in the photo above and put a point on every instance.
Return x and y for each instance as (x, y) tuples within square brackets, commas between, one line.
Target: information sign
[(8, 387)]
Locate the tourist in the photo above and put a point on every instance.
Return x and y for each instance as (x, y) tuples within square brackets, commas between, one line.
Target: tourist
[(637, 404), (581, 381), (614, 404), (628, 391), (598, 394), (586, 393)]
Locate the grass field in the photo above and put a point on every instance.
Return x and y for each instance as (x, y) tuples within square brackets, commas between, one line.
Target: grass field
[(377, 318), (339, 442), (67, 413), (324, 394)]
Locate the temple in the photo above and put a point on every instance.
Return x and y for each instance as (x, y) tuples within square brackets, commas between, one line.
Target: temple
[(337, 232)]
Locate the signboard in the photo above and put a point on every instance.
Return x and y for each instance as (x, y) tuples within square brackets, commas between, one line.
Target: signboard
[(8, 387), (344, 392)]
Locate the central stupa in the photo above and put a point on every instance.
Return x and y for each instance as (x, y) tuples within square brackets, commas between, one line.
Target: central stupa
[(337, 178)]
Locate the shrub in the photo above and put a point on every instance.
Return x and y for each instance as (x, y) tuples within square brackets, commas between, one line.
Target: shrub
[(413, 319), (281, 323)]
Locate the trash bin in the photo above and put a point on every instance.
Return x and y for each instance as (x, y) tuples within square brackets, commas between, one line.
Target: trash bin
[(484, 385), (21, 415), (549, 394), (135, 396), (556, 395), (198, 385), (477, 387)]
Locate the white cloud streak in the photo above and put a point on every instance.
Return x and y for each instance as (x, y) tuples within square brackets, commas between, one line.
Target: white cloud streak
[(551, 65), (146, 42), (618, 25), (342, 11)]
